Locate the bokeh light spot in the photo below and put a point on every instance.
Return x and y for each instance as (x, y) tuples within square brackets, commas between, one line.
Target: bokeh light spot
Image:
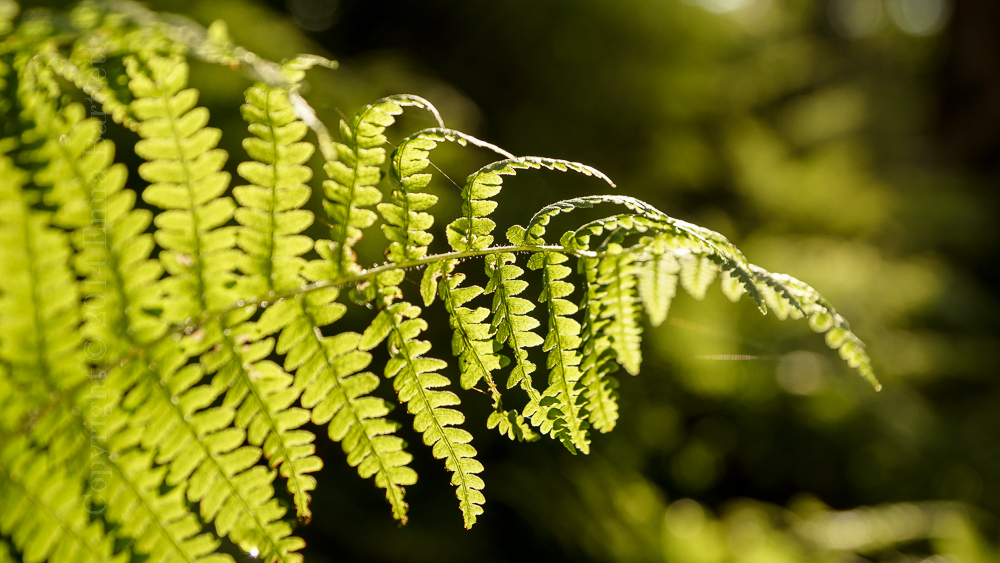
[(856, 18), (800, 373), (685, 518), (919, 17), (848, 531)]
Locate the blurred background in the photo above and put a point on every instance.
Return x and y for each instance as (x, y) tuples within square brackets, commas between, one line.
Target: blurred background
[(854, 144)]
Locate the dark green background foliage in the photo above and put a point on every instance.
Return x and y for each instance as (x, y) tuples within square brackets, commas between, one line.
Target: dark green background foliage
[(867, 165)]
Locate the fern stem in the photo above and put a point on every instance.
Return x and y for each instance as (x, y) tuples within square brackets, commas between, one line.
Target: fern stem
[(341, 281)]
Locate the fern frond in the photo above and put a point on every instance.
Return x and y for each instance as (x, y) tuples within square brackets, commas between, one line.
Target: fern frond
[(270, 214), (472, 230), (160, 523), (42, 512), (513, 326), (262, 393), (185, 171), (94, 82), (212, 327), (658, 281), (700, 263), (472, 342), (417, 382), (598, 357), (562, 344), (74, 161), (326, 369), (406, 229), (340, 397), (6, 550), (405, 215), (119, 264), (201, 448), (351, 189), (272, 222), (645, 218), (620, 305), (113, 256), (201, 258), (800, 299), (39, 296)]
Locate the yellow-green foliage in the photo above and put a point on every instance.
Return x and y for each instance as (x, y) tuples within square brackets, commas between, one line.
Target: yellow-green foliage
[(158, 360)]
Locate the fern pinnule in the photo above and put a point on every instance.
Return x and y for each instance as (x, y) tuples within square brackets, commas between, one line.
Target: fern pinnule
[(658, 280), (473, 230), (340, 397), (513, 326), (697, 272), (598, 357), (472, 343), (617, 272), (562, 343), (417, 382), (351, 189), (406, 219), (187, 181), (270, 211), (43, 516), (411, 155)]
